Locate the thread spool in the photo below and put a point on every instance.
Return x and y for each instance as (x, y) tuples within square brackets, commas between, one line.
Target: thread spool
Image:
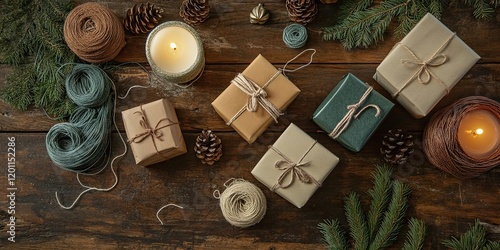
[(295, 36), (440, 140), (242, 203), (94, 33)]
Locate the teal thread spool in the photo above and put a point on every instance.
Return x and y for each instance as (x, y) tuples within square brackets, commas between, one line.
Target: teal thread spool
[(295, 36), (80, 145)]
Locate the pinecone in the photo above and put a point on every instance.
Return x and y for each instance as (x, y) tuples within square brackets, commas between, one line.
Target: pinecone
[(208, 147), (397, 146), (194, 11), (301, 11), (328, 1), (142, 18)]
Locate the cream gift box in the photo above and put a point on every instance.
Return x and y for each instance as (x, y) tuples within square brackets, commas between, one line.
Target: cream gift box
[(421, 69), (295, 166), (268, 86), (153, 132)]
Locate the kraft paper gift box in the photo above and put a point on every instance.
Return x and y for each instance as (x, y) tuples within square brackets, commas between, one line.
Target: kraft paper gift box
[(421, 69), (153, 132), (352, 126), (232, 103), (295, 166)]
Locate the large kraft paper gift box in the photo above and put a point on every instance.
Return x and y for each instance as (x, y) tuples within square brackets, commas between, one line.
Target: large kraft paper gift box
[(295, 166), (352, 112), (421, 69), (245, 111), (153, 132)]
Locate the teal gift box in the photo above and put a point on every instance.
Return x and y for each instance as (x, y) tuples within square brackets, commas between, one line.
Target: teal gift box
[(352, 112)]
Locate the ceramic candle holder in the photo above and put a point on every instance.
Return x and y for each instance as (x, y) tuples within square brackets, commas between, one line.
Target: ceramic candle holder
[(175, 52)]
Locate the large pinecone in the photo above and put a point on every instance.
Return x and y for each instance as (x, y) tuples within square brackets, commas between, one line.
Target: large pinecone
[(194, 11), (142, 18), (208, 147), (301, 11), (397, 146)]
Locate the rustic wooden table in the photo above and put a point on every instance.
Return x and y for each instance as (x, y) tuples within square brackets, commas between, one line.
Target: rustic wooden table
[(125, 217)]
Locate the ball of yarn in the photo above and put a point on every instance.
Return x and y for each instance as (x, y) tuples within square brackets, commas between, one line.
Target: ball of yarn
[(295, 36), (440, 142), (243, 204), (80, 144), (94, 33)]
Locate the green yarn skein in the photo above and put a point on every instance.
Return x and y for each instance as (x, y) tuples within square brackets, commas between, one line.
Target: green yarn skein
[(80, 145), (295, 36)]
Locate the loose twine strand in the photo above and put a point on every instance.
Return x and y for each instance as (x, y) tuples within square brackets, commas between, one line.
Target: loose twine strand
[(441, 144), (168, 205), (80, 145), (242, 203), (94, 33)]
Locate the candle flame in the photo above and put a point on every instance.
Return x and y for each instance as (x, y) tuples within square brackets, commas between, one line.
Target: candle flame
[(173, 46), (475, 133)]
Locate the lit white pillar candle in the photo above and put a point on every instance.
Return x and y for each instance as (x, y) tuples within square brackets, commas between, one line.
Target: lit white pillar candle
[(479, 133), (175, 52)]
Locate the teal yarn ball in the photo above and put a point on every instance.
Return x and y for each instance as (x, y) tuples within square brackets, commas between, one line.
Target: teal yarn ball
[(81, 144), (295, 36)]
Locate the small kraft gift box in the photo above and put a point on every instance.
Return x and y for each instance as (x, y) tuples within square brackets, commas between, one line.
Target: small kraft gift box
[(421, 69), (153, 132), (352, 112), (255, 98), (295, 166)]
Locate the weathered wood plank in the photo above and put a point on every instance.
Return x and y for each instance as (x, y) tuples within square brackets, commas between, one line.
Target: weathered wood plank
[(125, 216), (316, 81)]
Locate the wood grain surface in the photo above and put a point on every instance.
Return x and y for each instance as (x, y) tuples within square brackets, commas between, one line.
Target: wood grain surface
[(125, 217)]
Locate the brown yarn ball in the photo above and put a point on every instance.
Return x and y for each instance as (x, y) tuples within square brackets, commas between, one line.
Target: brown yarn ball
[(94, 33), (441, 144)]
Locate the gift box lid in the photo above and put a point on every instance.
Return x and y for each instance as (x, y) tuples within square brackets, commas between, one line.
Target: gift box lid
[(280, 92), (448, 60), (334, 107), (295, 144)]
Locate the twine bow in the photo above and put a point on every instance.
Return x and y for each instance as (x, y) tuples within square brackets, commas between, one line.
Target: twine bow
[(293, 169), (351, 113), (256, 96), (154, 133), (423, 73)]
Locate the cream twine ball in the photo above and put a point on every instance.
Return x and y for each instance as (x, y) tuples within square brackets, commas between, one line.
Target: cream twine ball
[(242, 203), (94, 33)]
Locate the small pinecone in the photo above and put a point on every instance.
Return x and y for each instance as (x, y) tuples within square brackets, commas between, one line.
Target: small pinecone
[(142, 18), (397, 146), (208, 147), (301, 11), (194, 11)]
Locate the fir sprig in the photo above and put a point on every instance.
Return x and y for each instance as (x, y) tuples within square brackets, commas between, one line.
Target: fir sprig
[(475, 238), (416, 235), (333, 235), (380, 195), (357, 222), (31, 40)]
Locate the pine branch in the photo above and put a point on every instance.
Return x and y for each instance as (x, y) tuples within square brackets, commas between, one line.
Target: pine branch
[(333, 235), (475, 238), (393, 218), (491, 245), (357, 221), (380, 195), (353, 6), (482, 10), (416, 235)]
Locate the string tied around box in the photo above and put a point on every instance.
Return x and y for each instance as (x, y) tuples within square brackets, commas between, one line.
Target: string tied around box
[(440, 139), (293, 169), (353, 112), (435, 60), (82, 144), (257, 96), (242, 203)]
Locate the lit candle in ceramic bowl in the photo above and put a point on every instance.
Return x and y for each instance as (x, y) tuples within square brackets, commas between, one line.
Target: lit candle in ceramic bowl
[(175, 52), (479, 133)]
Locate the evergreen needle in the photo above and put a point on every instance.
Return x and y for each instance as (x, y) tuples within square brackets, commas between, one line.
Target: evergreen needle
[(380, 194), (357, 221), (333, 235), (416, 235)]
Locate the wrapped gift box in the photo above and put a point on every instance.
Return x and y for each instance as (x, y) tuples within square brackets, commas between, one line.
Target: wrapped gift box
[(280, 92), (153, 132), (405, 76), (295, 154), (335, 107)]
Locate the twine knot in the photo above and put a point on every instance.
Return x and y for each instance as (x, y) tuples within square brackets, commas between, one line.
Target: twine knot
[(351, 113)]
